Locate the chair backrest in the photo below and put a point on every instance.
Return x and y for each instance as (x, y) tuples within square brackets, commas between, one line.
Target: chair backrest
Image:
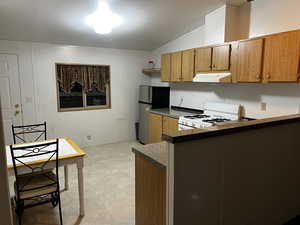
[(26, 155), (29, 133)]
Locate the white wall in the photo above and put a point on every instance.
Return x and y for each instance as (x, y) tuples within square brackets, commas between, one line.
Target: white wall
[(212, 32), (272, 16), (189, 40), (38, 87), (266, 17)]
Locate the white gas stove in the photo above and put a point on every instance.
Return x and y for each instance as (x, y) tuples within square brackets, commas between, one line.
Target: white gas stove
[(215, 113)]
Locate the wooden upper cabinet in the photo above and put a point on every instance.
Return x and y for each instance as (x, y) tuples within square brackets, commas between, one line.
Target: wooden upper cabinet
[(249, 60), (203, 59), (176, 66), (281, 57), (234, 61), (270, 58), (188, 65), (155, 128), (221, 58), (165, 67)]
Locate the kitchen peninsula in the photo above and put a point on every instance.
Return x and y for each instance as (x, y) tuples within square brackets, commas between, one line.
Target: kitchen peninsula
[(241, 173)]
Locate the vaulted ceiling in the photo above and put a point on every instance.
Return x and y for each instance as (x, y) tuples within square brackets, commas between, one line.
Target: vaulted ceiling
[(147, 24)]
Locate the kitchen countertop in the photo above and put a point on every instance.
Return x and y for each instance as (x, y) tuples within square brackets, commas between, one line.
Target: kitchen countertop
[(175, 112), (156, 153), (194, 134)]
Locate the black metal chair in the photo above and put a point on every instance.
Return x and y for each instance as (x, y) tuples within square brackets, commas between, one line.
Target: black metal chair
[(35, 132), (32, 133), (40, 186)]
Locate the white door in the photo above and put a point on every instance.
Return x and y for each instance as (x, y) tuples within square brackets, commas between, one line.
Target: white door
[(10, 94)]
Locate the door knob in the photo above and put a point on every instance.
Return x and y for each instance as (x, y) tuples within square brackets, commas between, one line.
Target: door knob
[(17, 112)]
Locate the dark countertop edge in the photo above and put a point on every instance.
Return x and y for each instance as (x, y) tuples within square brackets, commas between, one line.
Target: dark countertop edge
[(184, 109), (223, 131), (175, 108), (158, 164)]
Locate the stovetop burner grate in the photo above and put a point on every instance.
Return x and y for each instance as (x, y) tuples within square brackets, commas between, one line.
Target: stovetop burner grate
[(197, 116), (216, 120)]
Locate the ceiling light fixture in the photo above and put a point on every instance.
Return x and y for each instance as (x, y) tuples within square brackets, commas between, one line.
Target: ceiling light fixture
[(103, 20)]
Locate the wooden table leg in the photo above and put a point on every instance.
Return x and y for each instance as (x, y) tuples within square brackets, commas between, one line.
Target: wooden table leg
[(66, 178), (80, 185)]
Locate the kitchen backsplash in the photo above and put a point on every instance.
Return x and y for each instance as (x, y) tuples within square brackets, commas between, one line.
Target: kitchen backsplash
[(259, 100)]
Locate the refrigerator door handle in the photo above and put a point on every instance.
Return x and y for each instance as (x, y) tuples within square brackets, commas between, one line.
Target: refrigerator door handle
[(150, 94)]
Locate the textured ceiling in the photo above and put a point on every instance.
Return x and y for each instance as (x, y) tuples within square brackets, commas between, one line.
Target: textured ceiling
[(147, 24)]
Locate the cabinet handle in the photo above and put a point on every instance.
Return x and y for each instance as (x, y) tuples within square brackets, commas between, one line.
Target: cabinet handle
[(258, 77), (268, 76)]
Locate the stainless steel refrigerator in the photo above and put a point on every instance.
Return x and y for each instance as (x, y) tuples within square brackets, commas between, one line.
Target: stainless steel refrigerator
[(150, 97)]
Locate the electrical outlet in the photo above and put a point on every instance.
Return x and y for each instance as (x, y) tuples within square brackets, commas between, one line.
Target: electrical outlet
[(263, 106), (89, 137)]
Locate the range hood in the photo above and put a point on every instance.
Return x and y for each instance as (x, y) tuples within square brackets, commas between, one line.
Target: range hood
[(222, 77)]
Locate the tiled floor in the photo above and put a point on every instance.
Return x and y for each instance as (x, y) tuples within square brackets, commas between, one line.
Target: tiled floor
[(109, 190)]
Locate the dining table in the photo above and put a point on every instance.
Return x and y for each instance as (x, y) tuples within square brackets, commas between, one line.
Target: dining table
[(68, 153)]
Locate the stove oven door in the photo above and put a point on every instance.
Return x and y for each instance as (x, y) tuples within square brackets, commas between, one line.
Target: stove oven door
[(184, 127)]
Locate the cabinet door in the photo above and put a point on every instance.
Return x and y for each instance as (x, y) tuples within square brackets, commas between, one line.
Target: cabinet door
[(170, 125), (221, 56), (150, 192), (188, 65), (250, 60), (176, 66), (234, 55), (281, 57), (203, 60), (165, 67), (155, 128)]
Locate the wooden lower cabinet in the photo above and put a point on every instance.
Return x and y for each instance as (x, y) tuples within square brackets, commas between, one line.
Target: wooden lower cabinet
[(170, 125), (159, 125), (155, 128), (150, 188)]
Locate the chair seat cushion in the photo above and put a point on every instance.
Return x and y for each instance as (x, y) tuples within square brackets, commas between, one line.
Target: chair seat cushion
[(38, 181)]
